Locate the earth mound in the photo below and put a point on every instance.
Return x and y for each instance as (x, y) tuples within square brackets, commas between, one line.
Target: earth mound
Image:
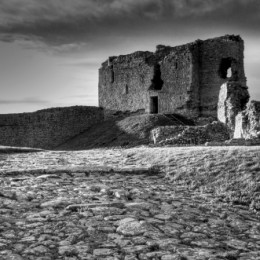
[(124, 130)]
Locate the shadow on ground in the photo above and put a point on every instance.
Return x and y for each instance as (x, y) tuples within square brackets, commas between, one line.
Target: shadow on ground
[(122, 131)]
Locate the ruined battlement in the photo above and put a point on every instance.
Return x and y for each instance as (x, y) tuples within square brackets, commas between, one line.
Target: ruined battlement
[(184, 79)]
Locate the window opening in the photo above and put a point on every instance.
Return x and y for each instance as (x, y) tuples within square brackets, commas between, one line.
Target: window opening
[(157, 82), (225, 68)]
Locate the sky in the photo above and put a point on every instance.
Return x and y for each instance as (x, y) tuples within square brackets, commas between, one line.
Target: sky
[(51, 50)]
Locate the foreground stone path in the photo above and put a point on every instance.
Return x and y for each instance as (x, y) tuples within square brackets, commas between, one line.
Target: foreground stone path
[(116, 215)]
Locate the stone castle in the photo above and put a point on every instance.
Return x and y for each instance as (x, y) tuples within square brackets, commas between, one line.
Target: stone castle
[(184, 80), (202, 82)]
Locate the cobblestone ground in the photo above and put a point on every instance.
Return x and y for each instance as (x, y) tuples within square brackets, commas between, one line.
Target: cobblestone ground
[(103, 214)]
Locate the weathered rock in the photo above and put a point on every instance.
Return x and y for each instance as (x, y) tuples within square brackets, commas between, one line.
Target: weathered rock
[(103, 252), (247, 124), (55, 203), (233, 97), (131, 227)]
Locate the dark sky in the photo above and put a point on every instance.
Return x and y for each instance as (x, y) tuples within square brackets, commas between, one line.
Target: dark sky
[(50, 50)]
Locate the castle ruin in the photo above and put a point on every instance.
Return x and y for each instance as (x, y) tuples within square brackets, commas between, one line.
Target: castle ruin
[(201, 84), (185, 80)]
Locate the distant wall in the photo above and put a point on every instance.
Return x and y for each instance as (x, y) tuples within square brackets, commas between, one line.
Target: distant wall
[(47, 128)]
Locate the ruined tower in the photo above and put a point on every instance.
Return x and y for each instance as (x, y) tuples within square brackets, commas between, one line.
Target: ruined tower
[(184, 80)]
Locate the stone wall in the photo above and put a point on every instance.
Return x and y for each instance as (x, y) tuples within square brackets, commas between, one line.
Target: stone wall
[(180, 88), (190, 135), (247, 123), (125, 80), (128, 82), (47, 128)]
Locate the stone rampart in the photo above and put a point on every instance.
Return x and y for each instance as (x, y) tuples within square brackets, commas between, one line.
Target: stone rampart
[(47, 128)]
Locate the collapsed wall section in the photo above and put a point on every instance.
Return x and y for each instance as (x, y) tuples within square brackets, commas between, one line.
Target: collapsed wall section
[(217, 57), (47, 128)]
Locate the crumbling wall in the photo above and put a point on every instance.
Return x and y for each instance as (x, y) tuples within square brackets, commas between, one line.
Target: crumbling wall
[(128, 82), (247, 123), (233, 97), (216, 56), (47, 128)]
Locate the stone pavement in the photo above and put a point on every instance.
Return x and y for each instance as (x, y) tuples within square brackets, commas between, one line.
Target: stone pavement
[(98, 214)]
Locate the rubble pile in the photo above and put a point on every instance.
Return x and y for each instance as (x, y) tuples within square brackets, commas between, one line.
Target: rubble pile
[(247, 123), (190, 135)]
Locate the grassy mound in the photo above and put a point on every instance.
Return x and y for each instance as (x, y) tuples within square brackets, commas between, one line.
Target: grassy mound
[(230, 174), (123, 131)]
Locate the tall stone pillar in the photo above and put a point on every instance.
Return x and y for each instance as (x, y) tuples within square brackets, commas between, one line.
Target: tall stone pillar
[(233, 97)]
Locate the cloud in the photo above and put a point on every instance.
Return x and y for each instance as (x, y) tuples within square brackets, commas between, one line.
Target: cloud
[(66, 24), (90, 64), (30, 100)]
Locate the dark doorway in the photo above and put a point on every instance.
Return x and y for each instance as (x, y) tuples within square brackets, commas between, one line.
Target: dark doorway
[(154, 105)]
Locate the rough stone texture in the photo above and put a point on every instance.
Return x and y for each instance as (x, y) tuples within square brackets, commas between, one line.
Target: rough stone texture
[(247, 123), (47, 128), (165, 219), (184, 79), (233, 98), (190, 135)]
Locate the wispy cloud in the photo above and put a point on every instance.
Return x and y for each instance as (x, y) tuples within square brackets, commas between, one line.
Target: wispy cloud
[(67, 24), (30, 100)]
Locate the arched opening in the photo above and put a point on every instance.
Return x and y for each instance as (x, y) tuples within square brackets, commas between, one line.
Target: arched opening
[(126, 89)]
